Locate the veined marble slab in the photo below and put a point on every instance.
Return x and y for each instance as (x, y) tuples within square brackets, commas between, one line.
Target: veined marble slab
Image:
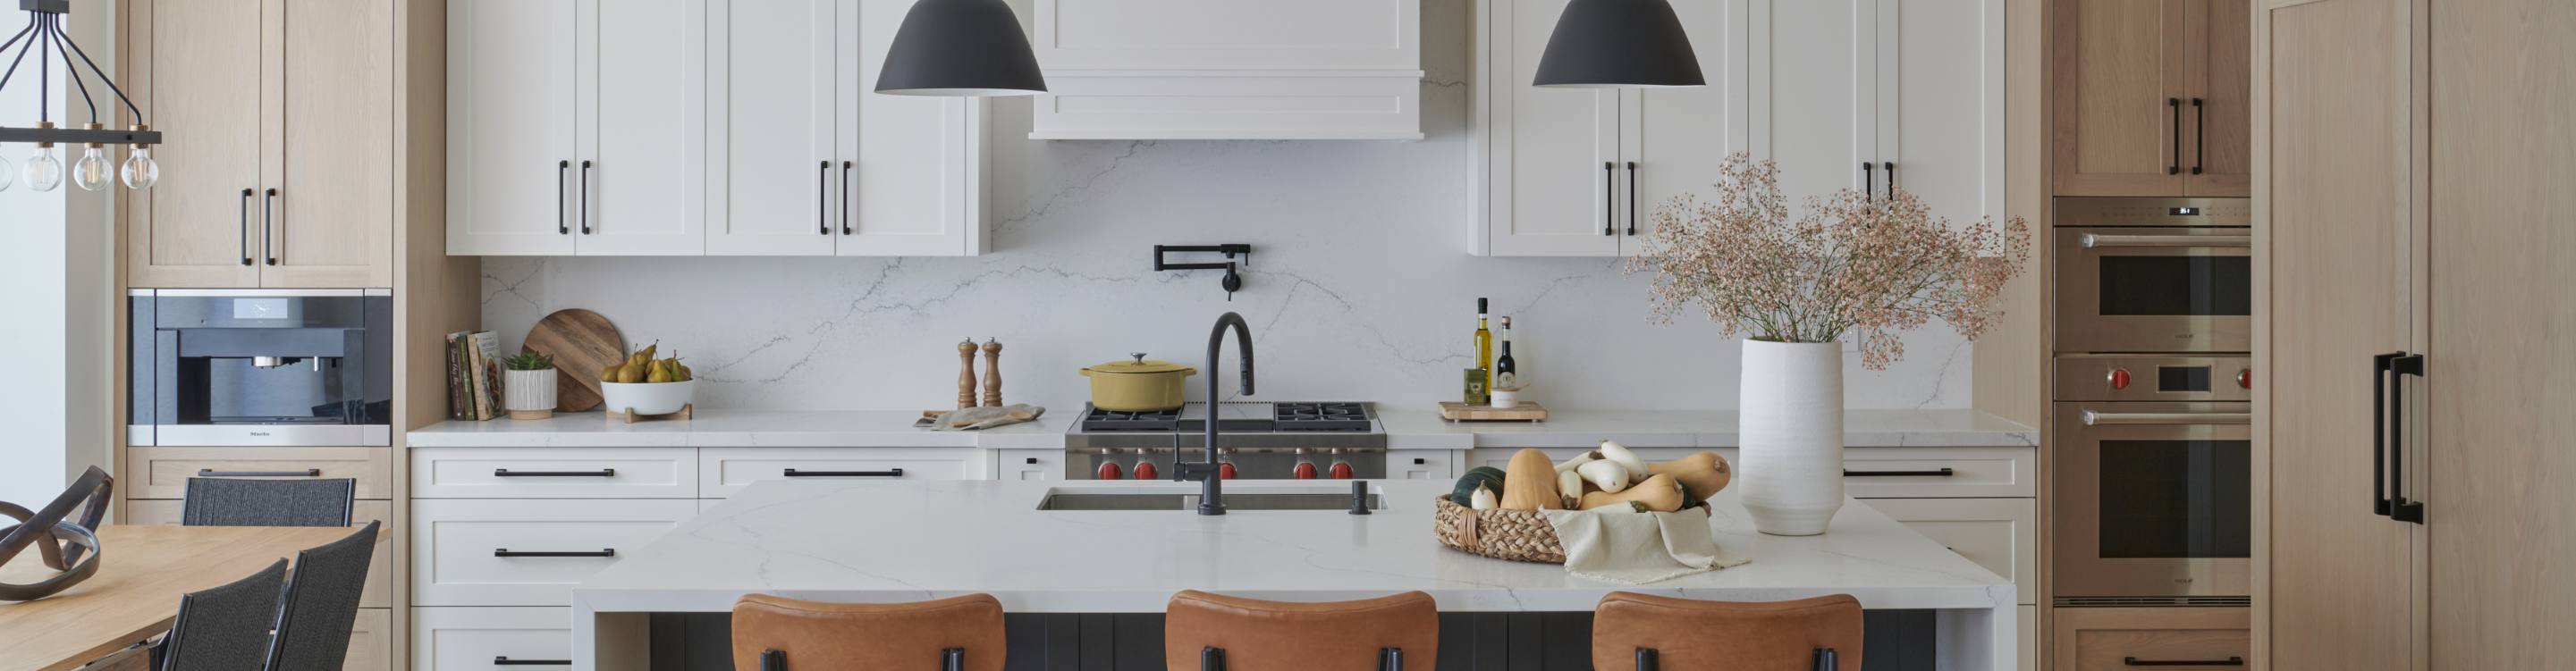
[(1704, 428)]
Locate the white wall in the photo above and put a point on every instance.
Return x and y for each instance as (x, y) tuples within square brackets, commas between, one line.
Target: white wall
[(57, 276)]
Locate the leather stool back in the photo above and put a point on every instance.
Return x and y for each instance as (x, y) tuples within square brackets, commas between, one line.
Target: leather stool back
[(954, 634), (1223, 633), (1667, 634)]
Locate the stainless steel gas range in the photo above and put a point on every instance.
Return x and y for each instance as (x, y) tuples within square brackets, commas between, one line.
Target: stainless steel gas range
[(1306, 440)]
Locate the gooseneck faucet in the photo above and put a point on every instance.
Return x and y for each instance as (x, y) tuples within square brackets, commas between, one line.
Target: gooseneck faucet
[(1211, 487)]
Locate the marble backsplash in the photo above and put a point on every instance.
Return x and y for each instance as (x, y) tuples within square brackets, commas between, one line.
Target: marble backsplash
[(1359, 286)]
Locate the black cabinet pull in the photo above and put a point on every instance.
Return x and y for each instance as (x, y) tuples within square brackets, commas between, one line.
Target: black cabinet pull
[(505, 661), (585, 197), (2199, 135), (601, 473), (2173, 106), (1632, 197), (245, 226), (1609, 206), (505, 552), (1868, 180), (2231, 661), (267, 221), (845, 195), (306, 473), (888, 473), (1418, 461), (1033, 460), (1942, 473), (2379, 432), (561, 167), (2399, 508), (823, 199), (1890, 167)]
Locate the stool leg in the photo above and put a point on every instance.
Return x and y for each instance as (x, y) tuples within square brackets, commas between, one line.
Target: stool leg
[(952, 659), (1390, 659), (1825, 660), (1212, 658), (1646, 660), (773, 660)]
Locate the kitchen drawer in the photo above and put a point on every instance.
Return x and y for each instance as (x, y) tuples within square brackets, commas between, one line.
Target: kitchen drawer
[(1427, 464), (456, 545), (163, 472), (722, 470), (446, 639), (1919, 472), (2120, 639), (554, 473), (1999, 534), (371, 641), (1028, 464), (379, 572)]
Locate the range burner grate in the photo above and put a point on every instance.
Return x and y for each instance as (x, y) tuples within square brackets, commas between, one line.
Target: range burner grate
[(1096, 419), (1321, 416)]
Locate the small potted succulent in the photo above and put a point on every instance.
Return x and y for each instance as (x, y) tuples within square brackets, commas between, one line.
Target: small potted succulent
[(528, 386)]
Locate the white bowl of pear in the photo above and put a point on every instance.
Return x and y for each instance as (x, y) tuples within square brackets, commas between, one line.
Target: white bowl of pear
[(644, 385)]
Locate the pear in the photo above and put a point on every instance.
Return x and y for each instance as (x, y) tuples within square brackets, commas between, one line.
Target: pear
[(647, 354), (661, 372), (680, 372), (609, 374), (631, 373)]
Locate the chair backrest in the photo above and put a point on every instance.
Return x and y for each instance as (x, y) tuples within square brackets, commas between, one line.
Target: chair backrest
[(321, 603), (231, 502), (814, 636), (1688, 634), (1257, 635), (225, 628)]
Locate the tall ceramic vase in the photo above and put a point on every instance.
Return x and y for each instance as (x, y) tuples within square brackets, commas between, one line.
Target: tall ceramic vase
[(1791, 421)]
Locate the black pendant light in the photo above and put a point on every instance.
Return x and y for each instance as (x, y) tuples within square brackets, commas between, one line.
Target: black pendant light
[(1618, 44), (960, 48)]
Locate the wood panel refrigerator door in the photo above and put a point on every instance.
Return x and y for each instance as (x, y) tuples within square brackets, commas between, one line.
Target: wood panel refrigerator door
[(2117, 78), (643, 100), (2217, 56), (777, 173), (196, 70), (2502, 240), (2339, 212), (1941, 104), (1554, 152), (1678, 139), (513, 172), (332, 223), (914, 190), (1815, 109)]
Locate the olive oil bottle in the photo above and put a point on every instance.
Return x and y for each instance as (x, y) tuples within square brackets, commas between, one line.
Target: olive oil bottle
[(1484, 343)]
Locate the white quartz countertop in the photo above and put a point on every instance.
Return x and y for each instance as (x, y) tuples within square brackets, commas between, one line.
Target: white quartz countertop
[(909, 541), (1406, 427)]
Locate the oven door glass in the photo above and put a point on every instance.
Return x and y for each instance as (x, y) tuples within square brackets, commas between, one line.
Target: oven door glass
[(2154, 499), (2155, 289), (2176, 499)]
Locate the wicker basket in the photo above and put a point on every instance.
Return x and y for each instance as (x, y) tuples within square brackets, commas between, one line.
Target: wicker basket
[(1517, 535)]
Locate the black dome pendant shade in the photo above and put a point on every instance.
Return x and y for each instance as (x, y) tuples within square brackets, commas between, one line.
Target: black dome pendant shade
[(960, 48), (1618, 43)]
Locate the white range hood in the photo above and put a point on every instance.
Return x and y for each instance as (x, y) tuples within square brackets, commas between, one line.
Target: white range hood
[(1229, 70)]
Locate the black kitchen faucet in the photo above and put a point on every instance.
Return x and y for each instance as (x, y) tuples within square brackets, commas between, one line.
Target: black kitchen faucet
[(1211, 487)]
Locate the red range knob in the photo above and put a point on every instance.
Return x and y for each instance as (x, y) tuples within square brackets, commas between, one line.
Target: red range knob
[(1145, 470), (2119, 378), (1225, 471), (1342, 470), (1305, 470), (2245, 378), (1109, 471)]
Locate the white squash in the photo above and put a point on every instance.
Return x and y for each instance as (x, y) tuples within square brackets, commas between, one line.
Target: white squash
[(1605, 474), (1614, 452)]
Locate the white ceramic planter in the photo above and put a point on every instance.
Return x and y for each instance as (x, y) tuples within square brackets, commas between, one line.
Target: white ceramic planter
[(1791, 424), (529, 394)]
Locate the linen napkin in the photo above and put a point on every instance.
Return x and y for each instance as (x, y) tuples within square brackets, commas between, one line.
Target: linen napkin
[(971, 419), (1638, 548)]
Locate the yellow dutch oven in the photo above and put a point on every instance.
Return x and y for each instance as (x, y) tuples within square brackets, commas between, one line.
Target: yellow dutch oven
[(1137, 386)]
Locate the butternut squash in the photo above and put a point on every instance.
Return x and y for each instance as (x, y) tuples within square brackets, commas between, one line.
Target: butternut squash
[(1660, 493), (1529, 482), (1703, 474)]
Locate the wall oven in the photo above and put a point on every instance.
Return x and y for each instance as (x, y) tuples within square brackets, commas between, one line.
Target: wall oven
[(259, 367), (2154, 275), (2154, 480)]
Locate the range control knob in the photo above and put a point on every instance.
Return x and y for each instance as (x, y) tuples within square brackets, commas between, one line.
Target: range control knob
[(2245, 378), (1109, 471), (1145, 471), (2119, 378), (1225, 471), (1342, 470), (1305, 470)]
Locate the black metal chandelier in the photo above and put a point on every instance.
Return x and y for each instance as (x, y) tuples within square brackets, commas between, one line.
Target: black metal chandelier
[(43, 171)]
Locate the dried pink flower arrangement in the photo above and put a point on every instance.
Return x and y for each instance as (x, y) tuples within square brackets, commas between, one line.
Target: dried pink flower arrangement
[(1868, 267)]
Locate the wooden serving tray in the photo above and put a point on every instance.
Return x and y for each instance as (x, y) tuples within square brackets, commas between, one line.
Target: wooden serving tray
[(1461, 412)]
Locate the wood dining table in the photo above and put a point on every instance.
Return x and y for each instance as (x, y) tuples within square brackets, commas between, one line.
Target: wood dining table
[(143, 570)]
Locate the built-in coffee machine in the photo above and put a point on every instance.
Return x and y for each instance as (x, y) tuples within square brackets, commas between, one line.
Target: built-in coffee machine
[(227, 367)]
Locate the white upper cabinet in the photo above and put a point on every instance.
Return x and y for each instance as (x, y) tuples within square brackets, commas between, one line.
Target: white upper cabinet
[(643, 82), (1229, 70), (511, 157), (775, 136)]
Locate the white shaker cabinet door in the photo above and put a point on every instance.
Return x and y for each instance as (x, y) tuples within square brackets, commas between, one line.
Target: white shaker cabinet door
[(917, 158), (643, 99), (1552, 154), (1941, 104), (777, 168), (1815, 95), (1679, 138), (512, 165)]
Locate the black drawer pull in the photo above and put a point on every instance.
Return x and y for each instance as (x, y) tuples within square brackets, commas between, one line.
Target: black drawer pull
[(888, 473), (2231, 661), (306, 473), (505, 552), (1418, 461), (1943, 473), (601, 473), (1033, 460), (505, 661)]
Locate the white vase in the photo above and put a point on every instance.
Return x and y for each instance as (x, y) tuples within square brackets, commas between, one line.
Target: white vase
[(528, 394), (1791, 426)]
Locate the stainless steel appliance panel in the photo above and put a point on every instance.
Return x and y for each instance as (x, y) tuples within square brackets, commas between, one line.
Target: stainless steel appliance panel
[(2154, 499), (2129, 377), (260, 367), (2154, 290)]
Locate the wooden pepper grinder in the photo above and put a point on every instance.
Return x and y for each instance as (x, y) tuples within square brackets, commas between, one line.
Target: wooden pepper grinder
[(992, 373), (966, 374)]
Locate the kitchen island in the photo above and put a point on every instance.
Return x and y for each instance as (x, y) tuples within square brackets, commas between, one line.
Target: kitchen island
[(909, 541)]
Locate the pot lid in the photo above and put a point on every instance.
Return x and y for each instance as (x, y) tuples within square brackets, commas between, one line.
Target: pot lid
[(1140, 364)]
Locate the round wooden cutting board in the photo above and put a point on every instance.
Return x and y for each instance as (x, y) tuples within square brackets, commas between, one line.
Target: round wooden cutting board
[(582, 343)]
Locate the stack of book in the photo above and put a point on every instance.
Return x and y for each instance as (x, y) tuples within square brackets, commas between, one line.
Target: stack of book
[(473, 375)]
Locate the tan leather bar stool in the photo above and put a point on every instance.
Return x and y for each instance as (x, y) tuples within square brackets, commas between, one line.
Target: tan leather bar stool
[(1222, 633), (959, 634), (1653, 633)]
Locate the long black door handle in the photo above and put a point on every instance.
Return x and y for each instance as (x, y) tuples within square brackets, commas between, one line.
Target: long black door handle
[(267, 222), (846, 169), (601, 473), (1890, 167), (2199, 135), (1940, 473), (888, 473), (2231, 661), (2379, 432), (1609, 206), (1632, 197), (2173, 106), (561, 167), (245, 226), (2399, 508), (506, 552), (585, 197), (823, 199), (306, 473), (1868, 180), (505, 661)]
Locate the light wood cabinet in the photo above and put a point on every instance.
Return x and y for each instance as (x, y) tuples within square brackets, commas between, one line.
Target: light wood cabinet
[(2150, 97), (2114, 639), (278, 171)]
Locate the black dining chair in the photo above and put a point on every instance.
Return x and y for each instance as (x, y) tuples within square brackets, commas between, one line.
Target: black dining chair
[(321, 603), (229, 502), (223, 628)]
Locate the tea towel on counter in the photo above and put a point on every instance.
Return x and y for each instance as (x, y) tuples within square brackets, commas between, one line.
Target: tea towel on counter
[(970, 419), (1638, 548)]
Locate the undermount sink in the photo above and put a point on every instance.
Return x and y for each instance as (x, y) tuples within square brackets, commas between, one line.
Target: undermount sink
[(1317, 500)]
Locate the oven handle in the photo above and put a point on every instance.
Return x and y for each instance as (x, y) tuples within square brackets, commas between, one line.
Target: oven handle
[(2092, 418), (2093, 240)]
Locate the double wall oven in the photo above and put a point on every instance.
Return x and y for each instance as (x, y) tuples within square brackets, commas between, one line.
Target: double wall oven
[(2153, 413)]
